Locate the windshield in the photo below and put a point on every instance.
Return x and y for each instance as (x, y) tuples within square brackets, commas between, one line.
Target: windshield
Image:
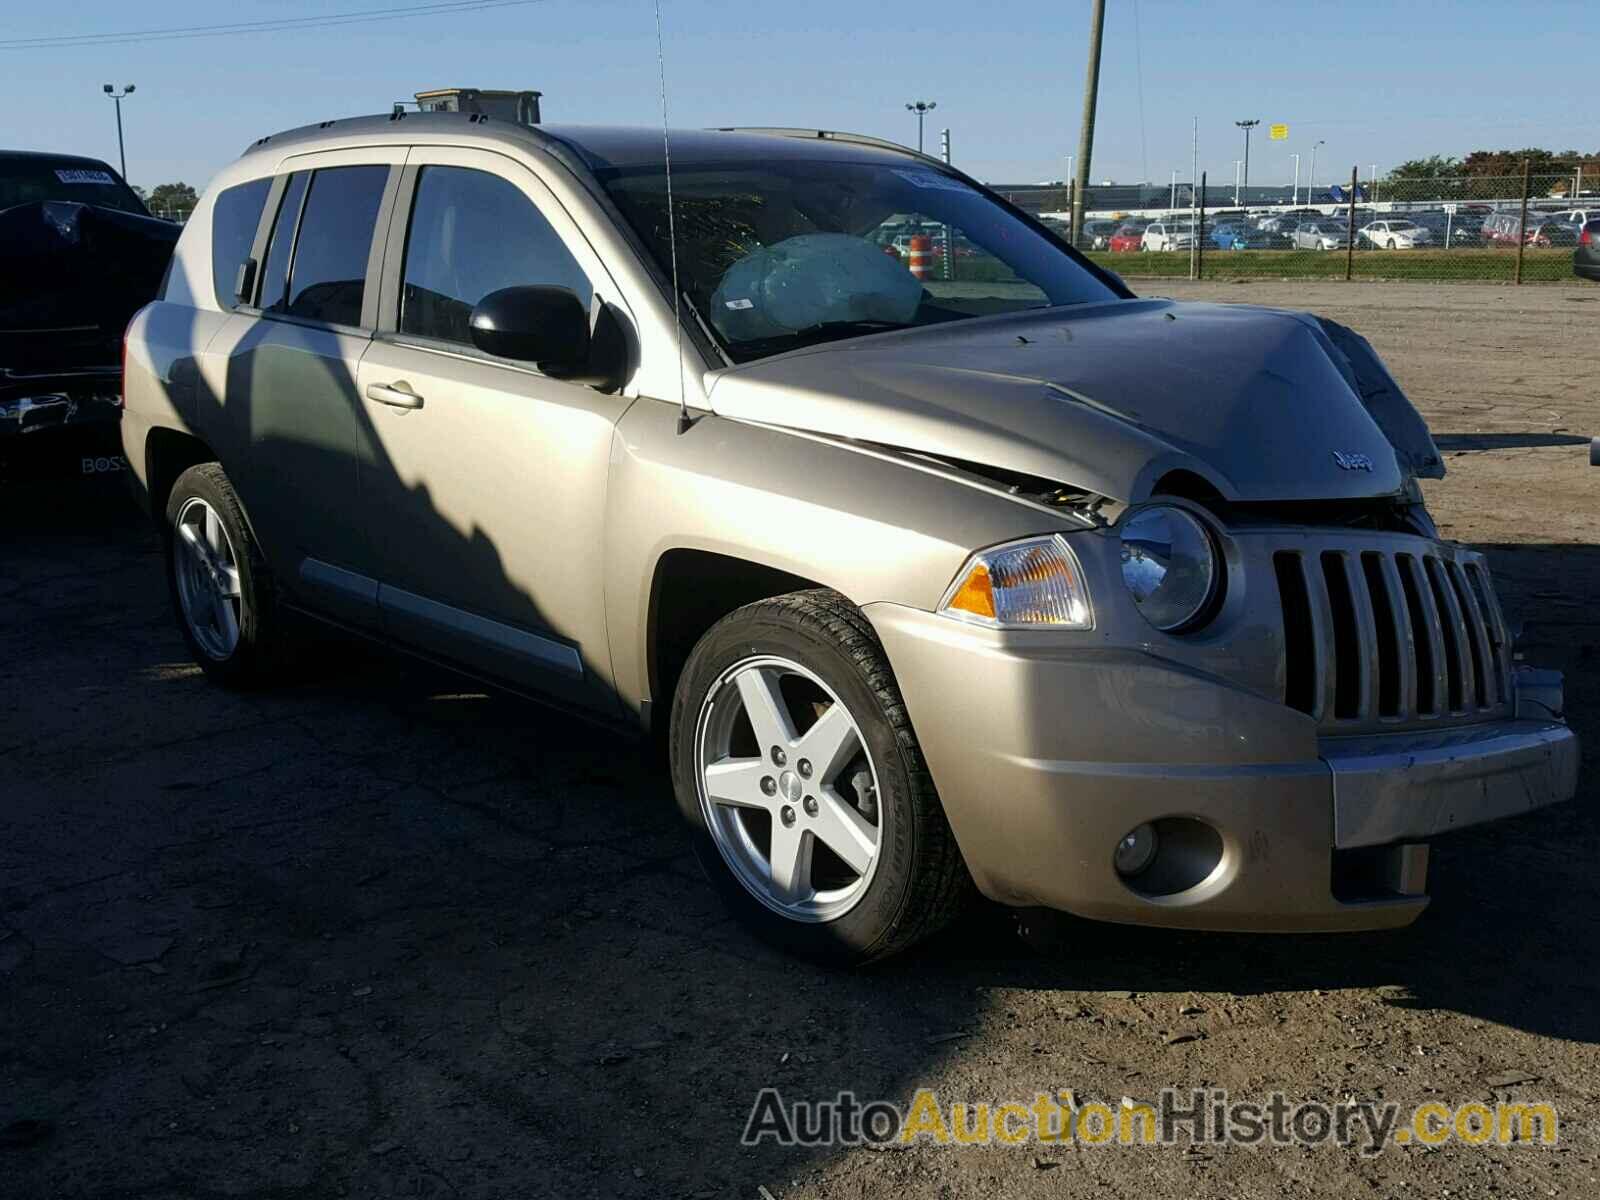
[(29, 180), (780, 254), (1397, 226)]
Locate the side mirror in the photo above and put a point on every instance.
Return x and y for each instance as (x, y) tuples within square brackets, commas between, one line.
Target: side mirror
[(546, 326)]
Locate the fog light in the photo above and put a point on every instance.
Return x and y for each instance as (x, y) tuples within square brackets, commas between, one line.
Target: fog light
[(1136, 850)]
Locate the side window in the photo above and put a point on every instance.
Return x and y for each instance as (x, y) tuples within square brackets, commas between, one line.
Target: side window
[(473, 233), (329, 275), (234, 218), (275, 275)]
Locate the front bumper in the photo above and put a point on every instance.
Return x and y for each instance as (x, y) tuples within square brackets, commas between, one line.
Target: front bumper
[(1045, 757)]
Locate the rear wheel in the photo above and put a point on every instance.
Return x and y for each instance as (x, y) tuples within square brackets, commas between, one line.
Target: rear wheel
[(796, 767), (222, 589)]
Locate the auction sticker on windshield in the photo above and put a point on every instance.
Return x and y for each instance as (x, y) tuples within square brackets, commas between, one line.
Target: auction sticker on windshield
[(932, 179)]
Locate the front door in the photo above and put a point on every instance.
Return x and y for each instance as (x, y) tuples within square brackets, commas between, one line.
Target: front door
[(484, 490)]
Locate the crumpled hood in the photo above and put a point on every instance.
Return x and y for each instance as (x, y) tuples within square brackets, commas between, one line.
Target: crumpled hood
[(1109, 398)]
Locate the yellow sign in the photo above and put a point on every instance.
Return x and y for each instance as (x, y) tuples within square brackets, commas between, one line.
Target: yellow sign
[(1278, 133)]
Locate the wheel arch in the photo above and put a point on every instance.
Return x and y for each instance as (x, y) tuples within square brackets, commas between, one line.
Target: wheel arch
[(691, 589), (168, 453)]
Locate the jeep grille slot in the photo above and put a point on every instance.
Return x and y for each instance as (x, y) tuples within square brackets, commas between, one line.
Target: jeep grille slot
[(1375, 638), (1299, 639)]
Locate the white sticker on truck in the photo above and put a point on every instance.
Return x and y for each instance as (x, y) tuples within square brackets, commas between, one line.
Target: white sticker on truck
[(81, 176)]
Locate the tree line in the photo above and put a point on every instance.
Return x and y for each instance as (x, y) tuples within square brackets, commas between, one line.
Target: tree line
[(1485, 163)]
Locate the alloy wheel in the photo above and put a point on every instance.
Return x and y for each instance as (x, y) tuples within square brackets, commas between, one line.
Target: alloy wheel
[(788, 789), (206, 569)]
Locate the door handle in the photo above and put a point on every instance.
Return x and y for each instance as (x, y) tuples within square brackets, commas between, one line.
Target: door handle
[(396, 395)]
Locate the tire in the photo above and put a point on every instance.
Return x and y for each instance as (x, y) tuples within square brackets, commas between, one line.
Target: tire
[(813, 651), (260, 648)]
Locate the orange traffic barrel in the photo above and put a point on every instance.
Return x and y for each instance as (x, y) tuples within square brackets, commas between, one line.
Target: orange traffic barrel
[(922, 256)]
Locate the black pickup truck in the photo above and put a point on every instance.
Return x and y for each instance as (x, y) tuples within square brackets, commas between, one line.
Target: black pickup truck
[(79, 255)]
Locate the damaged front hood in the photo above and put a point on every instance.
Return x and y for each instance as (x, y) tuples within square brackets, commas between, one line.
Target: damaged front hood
[(1110, 398)]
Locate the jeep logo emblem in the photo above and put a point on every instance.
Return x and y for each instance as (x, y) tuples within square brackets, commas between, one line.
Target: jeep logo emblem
[(1352, 462)]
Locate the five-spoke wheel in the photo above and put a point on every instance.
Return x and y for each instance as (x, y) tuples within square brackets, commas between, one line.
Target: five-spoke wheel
[(796, 767), (206, 572), (788, 789)]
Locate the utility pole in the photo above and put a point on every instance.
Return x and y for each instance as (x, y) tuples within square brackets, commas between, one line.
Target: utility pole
[(1236, 163), (922, 108), (1247, 126), (1172, 201), (1311, 183), (1091, 91), (122, 155), (1294, 195)]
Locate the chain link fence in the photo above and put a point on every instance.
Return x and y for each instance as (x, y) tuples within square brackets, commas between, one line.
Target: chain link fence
[(1518, 228)]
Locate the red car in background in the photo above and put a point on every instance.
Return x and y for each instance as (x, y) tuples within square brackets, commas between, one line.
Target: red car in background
[(1129, 237)]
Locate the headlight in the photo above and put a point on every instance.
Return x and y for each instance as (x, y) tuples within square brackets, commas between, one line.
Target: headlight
[(1169, 563), (1027, 584)]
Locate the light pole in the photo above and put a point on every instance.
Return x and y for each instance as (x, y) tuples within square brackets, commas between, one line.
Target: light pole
[(1247, 126), (1294, 192), (922, 108), (117, 96), (1374, 178), (1236, 164), (1172, 204), (1311, 181)]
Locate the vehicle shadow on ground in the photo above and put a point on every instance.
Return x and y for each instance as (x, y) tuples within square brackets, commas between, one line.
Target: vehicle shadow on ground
[(386, 932)]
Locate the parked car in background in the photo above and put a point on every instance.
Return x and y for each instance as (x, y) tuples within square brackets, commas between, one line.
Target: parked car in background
[(1461, 229), (1394, 233), (1097, 234), (1126, 238), (1550, 234), (1321, 234), (1504, 228), (926, 586), (1239, 235), (79, 255), (1168, 235), (1586, 258), (1576, 217)]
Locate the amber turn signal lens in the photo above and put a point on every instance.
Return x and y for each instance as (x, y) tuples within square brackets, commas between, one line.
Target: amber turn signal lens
[(976, 593), (1021, 585)]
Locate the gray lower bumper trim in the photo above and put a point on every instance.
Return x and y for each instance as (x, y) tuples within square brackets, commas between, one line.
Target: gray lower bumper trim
[(1393, 788)]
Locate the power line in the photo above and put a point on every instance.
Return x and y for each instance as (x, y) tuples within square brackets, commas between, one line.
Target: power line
[(278, 25)]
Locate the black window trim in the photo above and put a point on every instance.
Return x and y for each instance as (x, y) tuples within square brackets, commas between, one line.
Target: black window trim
[(375, 251)]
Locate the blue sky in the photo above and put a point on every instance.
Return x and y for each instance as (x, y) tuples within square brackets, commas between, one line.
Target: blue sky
[(1378, 82)]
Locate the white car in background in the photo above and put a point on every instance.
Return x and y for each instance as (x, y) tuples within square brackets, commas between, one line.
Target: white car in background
[(1394, 235), (1168, 235)]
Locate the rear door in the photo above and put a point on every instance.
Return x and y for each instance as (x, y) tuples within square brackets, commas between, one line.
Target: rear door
[(282, 409), (484, 485)]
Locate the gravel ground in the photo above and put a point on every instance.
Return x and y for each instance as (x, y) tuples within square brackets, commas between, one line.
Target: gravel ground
[(384, 935)]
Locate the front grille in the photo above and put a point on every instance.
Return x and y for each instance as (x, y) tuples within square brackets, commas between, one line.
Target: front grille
[(1375, 637)]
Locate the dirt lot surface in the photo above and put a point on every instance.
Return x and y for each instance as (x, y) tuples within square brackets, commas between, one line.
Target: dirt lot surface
[(383, 935)]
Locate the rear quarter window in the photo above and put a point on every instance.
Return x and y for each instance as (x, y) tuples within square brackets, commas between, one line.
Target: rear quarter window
[(234, 219)]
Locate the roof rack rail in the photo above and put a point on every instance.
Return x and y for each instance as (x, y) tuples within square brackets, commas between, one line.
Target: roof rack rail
[(833, 135)]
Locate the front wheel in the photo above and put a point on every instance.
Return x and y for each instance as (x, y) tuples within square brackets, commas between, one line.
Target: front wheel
[(808, 800)]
